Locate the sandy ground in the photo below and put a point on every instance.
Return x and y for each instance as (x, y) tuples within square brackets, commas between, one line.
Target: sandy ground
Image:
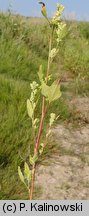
[(65, 175)]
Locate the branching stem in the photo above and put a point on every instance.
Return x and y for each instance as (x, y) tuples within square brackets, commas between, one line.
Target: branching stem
[(44, 111)]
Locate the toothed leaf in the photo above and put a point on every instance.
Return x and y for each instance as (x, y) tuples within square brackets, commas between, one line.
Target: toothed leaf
[(40, 73), (20, 174), (27, 172), (29, 109)]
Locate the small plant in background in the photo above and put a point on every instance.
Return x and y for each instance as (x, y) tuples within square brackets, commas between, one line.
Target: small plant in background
[(49, 93)]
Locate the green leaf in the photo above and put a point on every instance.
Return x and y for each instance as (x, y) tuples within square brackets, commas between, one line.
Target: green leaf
[(29, 109), (45, 89), (40, 73), (51, 92), (33, 159), (40, 151), (44, 12), (55, 92), (27, 172), (41, 148), (36, 120), (42, 145), (20, 174)]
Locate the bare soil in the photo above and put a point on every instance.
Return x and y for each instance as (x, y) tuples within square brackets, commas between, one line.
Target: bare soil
[(65, 175)]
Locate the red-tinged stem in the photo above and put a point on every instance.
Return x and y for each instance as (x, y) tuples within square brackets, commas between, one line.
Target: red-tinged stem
[(36, 150), (32, 183), (44, 111)]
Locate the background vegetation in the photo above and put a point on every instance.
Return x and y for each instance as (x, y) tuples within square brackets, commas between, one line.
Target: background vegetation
[(23, 47)]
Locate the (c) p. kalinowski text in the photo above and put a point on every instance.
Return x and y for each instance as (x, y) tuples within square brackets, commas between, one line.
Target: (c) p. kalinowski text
[(45, 207)]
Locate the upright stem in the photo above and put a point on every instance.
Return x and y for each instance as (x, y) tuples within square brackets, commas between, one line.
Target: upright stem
[(32, 183), (41, 125), (36, 149)]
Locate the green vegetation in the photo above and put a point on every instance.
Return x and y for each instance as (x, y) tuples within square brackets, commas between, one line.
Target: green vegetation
[(23, 47)]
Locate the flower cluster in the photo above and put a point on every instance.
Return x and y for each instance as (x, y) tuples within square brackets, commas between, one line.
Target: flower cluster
[(60, 31), (58, 24), (34, 87), (32, 102), (59, 11), (53, 53)]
